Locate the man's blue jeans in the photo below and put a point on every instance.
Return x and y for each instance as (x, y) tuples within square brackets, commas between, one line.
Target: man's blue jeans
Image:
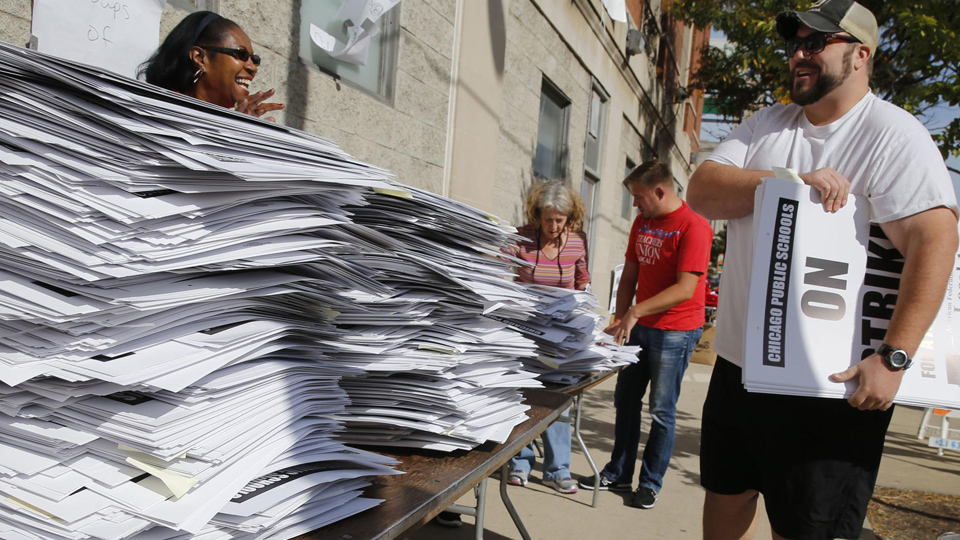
[(556, 452), (664, 357)]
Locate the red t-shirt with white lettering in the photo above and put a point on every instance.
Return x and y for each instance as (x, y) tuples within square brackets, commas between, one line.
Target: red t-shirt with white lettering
[(677, 242)]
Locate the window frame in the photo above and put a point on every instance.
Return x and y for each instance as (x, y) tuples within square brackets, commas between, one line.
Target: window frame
[(596, 119), (592, 183), (627, 210), (191, 6), (549, 90), (389, 49), (596, 91)]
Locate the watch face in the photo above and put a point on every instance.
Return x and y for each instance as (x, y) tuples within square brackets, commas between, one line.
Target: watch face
[(898, 358)]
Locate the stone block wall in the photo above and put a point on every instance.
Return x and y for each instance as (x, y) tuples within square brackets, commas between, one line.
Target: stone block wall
[(15, 16), (533, 52), (407, 136)]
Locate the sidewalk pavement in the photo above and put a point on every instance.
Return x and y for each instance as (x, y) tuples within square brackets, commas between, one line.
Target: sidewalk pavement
[(908, 464)]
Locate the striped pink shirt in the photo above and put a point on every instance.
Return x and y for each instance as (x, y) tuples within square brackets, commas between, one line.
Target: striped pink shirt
[(568, 270)]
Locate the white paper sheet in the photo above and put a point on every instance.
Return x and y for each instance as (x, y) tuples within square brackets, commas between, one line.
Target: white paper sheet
[(113, 35)]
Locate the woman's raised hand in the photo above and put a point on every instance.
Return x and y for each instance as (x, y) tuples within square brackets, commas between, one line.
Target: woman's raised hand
[(254, 105)]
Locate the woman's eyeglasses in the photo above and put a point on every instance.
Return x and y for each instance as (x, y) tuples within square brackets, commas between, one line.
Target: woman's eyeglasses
[(815, 43), (240, 54)]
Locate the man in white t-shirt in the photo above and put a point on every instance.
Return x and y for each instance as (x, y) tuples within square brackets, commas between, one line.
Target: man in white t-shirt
[(815, 460)]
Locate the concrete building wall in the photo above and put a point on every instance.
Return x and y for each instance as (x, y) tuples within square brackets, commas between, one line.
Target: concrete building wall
[(15, 16), (463, 116), (535, 51), (407, 136), (473, 151)]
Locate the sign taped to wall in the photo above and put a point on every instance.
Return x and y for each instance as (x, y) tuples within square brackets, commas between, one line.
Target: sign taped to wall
[(116, 35)]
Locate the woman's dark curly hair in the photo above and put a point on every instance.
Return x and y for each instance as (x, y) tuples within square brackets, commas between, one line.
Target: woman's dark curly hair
[(170, 66)]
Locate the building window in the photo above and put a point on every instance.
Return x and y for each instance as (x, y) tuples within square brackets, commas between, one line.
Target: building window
[(551, 158), (662, 53), (626, 205), (596, 123), (588, 192), (592, 159), (194, 5), (377, 72)]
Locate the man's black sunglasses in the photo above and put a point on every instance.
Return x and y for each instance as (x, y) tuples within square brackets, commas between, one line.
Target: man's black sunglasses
[(240, 54), (816, 42)]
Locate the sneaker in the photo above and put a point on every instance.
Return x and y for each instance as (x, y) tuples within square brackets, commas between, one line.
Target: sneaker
[(586, 482), (517, 478), (449, 519), (643, 497), (949, 536), (563, 485)]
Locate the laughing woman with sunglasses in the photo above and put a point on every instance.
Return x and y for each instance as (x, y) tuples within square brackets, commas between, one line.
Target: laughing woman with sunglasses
[(210, 58)]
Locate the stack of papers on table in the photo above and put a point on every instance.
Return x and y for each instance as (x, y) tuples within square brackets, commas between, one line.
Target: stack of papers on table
[(824, 286), (569, 335), (194, 303), (161, 343), (438, 374)]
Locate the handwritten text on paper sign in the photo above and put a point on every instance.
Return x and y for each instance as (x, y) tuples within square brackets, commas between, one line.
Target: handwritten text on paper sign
[(116, 35)]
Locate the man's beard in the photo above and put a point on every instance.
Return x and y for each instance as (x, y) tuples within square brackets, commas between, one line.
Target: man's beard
[(826, 82)]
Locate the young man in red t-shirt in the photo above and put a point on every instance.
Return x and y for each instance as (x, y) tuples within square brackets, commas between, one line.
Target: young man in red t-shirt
[(665, 272)]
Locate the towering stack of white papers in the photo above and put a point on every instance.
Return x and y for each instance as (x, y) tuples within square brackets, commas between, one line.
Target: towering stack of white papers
[(569, 335), (817, 307), (164, 275), (188, 295)]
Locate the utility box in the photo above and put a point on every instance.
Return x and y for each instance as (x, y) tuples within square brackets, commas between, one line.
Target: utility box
[(635, 41)]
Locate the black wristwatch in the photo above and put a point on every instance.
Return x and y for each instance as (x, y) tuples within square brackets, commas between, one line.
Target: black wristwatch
[(894, 358)]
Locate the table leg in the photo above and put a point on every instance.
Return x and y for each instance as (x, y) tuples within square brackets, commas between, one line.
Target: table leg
[(578, 410), (504, 474), (944, 432), (481, 492)]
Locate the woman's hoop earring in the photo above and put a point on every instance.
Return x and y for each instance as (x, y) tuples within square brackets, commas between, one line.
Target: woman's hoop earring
[(197, 75)]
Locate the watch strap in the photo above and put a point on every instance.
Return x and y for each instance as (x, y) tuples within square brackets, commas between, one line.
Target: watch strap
[(885, 351)]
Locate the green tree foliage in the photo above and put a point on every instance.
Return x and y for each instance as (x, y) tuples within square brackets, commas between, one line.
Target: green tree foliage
[(917, 66), (719, 243), (718, 248)]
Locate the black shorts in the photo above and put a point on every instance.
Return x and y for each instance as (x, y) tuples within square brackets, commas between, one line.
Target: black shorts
[(814, 459)]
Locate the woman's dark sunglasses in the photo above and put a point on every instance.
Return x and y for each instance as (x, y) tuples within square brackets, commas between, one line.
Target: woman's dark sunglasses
[(815, 43), (240, 54)]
